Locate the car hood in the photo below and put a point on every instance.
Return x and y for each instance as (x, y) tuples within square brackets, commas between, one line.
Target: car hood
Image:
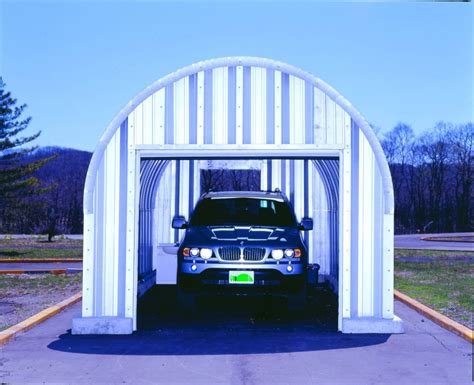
[(200, 235)]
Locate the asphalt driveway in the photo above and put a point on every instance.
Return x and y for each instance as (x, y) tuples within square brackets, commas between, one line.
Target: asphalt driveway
[(238, 341), (415, 241), (42, 266)]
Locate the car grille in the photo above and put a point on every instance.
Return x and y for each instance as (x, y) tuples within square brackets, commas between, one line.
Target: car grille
[(229, 253), (253, 254)]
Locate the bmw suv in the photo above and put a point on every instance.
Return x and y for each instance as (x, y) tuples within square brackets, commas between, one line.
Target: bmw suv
[(242, 242)]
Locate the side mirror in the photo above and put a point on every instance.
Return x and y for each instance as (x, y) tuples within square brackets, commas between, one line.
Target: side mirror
[(306, 224), (179, 222)]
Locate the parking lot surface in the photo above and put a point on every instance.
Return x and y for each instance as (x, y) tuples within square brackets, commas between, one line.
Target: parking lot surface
[(237, 341)]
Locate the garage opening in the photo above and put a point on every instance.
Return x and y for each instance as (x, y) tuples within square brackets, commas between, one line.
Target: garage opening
[(172, 186)]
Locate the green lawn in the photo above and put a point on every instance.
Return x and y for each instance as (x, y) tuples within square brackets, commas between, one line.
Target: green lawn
[(38, 247), (40, 242), (22, 253), (442, 284)]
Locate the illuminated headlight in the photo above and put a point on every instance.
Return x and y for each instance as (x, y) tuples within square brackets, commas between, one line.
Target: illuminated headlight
[(288, 253), (194, 252), (206, 253), (277, 254)]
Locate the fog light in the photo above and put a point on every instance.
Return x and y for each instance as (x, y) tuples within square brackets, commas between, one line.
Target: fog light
[(194, 267), (289, 268)]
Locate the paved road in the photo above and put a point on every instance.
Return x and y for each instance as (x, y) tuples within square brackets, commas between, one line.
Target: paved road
[(414, 241), (73, 266), (238, 343)]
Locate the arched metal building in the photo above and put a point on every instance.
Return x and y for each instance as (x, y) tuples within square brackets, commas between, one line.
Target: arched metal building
[(301, 135)]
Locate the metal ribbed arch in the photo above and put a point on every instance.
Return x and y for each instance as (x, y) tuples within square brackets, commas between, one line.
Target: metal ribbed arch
[(150, 175), (239, 61), (328, 169), (151, 171)]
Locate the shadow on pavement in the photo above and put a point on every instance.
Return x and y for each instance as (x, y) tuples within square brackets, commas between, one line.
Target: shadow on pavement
[(224, 325)]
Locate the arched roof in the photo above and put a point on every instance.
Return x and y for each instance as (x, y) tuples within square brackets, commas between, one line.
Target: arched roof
[(357, 118)]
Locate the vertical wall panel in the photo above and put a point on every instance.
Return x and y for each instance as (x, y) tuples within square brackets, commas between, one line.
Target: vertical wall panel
[(159, 117), (200, 108), (220, 103), (297, 110), (320, 134), (138, 125), (339, 137), (181, 112), (147, 120), (366, 252), (277, 115), (239, 100), (330, 112), (258, 107)]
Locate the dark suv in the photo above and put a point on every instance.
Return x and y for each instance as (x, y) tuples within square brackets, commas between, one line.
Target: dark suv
[(243, 242)]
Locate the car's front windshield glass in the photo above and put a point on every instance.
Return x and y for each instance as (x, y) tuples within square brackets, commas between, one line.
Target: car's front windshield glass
[(243, 212)]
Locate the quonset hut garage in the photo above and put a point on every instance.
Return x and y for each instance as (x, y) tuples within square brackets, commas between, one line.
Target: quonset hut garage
[(299, 135)]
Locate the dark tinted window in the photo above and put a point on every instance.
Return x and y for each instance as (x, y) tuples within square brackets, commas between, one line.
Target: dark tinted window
[(242, 211)]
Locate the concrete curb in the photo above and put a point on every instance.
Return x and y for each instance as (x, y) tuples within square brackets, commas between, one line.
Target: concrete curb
[(38, 260), (443, 239), (440, 319), (37, 271), (36, 319)]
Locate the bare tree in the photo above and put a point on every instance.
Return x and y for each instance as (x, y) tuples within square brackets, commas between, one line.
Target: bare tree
[(462, 152)]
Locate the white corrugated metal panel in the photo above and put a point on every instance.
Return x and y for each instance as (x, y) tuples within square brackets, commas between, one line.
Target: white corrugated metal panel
[(246, 101)]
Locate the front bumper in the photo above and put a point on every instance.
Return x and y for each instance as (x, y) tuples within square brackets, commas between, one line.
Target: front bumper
[(284, 267), (214, 277)]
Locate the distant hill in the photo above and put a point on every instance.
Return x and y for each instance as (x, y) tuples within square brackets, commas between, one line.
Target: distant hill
[(58, 210), (70, 164)]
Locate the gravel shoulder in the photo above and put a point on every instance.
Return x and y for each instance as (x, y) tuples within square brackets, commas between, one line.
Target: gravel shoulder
[(22, 296)]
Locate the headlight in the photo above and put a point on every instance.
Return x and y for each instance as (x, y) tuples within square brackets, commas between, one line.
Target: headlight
[(194, 252), (288, 253), (206, 253), (277, 254)]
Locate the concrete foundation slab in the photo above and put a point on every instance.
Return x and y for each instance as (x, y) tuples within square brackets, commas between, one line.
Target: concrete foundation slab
[(102, 325), (372, 325)]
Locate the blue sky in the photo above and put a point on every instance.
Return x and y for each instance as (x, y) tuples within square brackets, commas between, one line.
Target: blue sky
[(76, 63)]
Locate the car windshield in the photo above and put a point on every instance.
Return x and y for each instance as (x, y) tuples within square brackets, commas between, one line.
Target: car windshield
[(242, 211)]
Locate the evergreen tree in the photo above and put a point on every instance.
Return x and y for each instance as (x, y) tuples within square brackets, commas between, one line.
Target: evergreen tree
[(16, 174)]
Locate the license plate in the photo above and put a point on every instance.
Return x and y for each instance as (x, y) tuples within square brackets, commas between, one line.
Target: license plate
[(241, 277)]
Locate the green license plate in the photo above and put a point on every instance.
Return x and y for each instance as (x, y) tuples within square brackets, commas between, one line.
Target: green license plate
[(241, 277)]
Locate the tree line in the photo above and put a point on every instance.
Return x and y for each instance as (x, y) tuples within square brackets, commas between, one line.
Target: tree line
[(41, 190), (433, 177)]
